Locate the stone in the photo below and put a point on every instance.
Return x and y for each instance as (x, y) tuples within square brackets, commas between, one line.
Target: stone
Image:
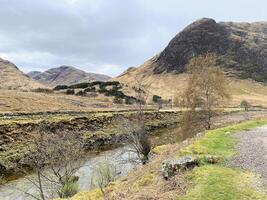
[(212, 159), (170, 167)]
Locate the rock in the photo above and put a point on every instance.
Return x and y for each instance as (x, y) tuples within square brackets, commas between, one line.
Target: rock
[(170, 167), (212, 159)]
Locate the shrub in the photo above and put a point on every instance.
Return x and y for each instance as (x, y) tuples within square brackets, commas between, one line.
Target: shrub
[(156, 98), (68, 189), (104, 174), (245, 104), (118, 100), (70, 92), (61, 87), (90, 89), (80, 85), (43, 90), (81, 93)]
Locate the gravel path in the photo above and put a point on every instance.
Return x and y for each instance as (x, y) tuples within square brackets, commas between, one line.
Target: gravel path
[(252, 152)]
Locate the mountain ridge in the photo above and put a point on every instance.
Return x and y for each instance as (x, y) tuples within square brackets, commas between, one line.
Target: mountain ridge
[(66, 75), (241, 49), (11, 78)]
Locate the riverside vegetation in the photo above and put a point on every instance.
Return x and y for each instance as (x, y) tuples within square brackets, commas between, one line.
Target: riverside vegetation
[(49, 147), (207, 180)]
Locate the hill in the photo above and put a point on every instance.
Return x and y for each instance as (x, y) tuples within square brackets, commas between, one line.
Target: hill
[(13, 79), (66, 75), (241, 49)]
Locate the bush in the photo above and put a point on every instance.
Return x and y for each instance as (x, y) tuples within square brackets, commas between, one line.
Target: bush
[(80, 85), (104, 174), (81, 93), (70, 92), (156, 98), (129, 100), (61, 87), (68, 189), (43, 90), (90, 89), (118, 100), (245, 104)]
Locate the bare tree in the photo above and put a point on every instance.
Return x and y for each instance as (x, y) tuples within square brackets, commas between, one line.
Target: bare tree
[(55, 158), (135, 127), (245, 104), (206, 89)]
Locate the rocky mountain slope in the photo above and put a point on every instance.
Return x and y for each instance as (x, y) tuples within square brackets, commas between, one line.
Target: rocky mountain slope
[(13, 79), (241, 49), (33, 74), (66, 75)]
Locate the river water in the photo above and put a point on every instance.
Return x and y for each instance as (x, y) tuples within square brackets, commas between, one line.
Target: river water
[(120, 158)]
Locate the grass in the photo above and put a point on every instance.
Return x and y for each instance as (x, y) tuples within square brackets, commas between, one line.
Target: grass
[(220, 141), (207, 182), (219, 182)]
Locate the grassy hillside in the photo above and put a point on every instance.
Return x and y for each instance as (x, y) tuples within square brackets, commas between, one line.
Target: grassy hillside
[(217, 181), (13, 79), (169, 85)]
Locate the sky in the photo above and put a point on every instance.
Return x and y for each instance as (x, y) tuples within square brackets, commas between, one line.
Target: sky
[(104, 36)]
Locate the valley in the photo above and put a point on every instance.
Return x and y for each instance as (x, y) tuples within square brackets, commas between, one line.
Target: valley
[(162, 130)]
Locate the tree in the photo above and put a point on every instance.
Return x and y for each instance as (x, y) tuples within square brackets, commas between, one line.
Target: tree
[(158, 100), (55, 158), (206, 89), (245, 104), (135, 127)]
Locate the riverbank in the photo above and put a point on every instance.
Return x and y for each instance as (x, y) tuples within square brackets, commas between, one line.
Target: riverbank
[(218, 181), (98, 131)]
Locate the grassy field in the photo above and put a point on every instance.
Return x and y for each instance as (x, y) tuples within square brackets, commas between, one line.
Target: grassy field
[(18, 101), (206, 182)]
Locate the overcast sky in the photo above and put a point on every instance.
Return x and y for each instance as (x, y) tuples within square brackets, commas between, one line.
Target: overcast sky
[(104, 36)]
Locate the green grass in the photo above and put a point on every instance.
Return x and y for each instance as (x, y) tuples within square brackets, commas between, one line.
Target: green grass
[(219, 182), (220, 141)]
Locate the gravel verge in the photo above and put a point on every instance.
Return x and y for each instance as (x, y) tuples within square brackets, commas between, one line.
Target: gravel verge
[(252, 152)]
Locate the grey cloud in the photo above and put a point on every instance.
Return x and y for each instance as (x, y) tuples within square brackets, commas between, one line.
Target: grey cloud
[(101, 35)]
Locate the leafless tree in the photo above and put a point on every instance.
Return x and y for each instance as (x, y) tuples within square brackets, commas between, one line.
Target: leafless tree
[(206, 90), (135, 127), (55, 158)]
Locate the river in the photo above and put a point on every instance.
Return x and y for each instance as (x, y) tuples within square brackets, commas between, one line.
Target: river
[(118, 157)]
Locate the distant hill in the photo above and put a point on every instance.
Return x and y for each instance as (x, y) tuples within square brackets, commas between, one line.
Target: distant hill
[(66, 75), (241, 49), (12, 78), (33, 74)]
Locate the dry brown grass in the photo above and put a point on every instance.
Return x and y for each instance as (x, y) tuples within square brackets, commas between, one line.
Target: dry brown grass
[(18, 101), (147, 182), (12, 78), (169, 85)]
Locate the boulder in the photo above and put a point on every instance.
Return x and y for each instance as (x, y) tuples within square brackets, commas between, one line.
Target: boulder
[(212, 159), (170, 167)]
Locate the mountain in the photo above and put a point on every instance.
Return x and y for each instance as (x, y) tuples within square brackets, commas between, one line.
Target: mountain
[(66, 75), (241, 49), (33, 74), (12, 78)]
